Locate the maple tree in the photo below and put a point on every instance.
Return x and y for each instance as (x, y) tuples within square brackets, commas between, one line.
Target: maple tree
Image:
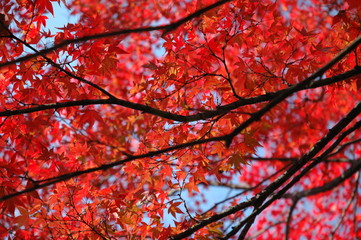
[(126, 123)]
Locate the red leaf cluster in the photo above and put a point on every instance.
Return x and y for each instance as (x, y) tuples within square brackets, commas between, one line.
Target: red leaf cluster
[(180, 119)]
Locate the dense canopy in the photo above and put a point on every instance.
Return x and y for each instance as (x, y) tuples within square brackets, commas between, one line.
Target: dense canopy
[(201, 119)]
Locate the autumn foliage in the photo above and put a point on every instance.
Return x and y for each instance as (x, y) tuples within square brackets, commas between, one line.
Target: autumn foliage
[(180, 119)]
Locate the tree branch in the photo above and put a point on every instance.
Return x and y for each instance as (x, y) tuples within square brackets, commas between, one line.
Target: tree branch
[(289, 218), (57, 66), (64, 177), (166, 28), (177, 117), (356, 166)]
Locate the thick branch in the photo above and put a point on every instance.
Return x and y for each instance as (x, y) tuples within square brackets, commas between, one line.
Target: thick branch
[(177, 117), (328, 186), (85, 102)]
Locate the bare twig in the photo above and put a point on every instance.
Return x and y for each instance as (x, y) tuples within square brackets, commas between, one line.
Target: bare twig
[(289, 218)]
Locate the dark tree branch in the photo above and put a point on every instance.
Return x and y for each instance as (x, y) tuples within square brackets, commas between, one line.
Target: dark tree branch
[(246, 228), (57, 66), (165, 28), (300, 194), (244, 188), (356, 166), (354, 192), (289, 218), (333, 160), (239, 186), (86, 102), (255, 236), (343, 146), (172, 116), (64, 177)]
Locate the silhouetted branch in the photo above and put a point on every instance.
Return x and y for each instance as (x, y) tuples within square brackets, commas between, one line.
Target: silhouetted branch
[(262, 159), (166, 28), (356, 166), (289, 218), (57, 66), (354, 193), (64, 177), (255, 236), (173, 116), (244, 187)]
